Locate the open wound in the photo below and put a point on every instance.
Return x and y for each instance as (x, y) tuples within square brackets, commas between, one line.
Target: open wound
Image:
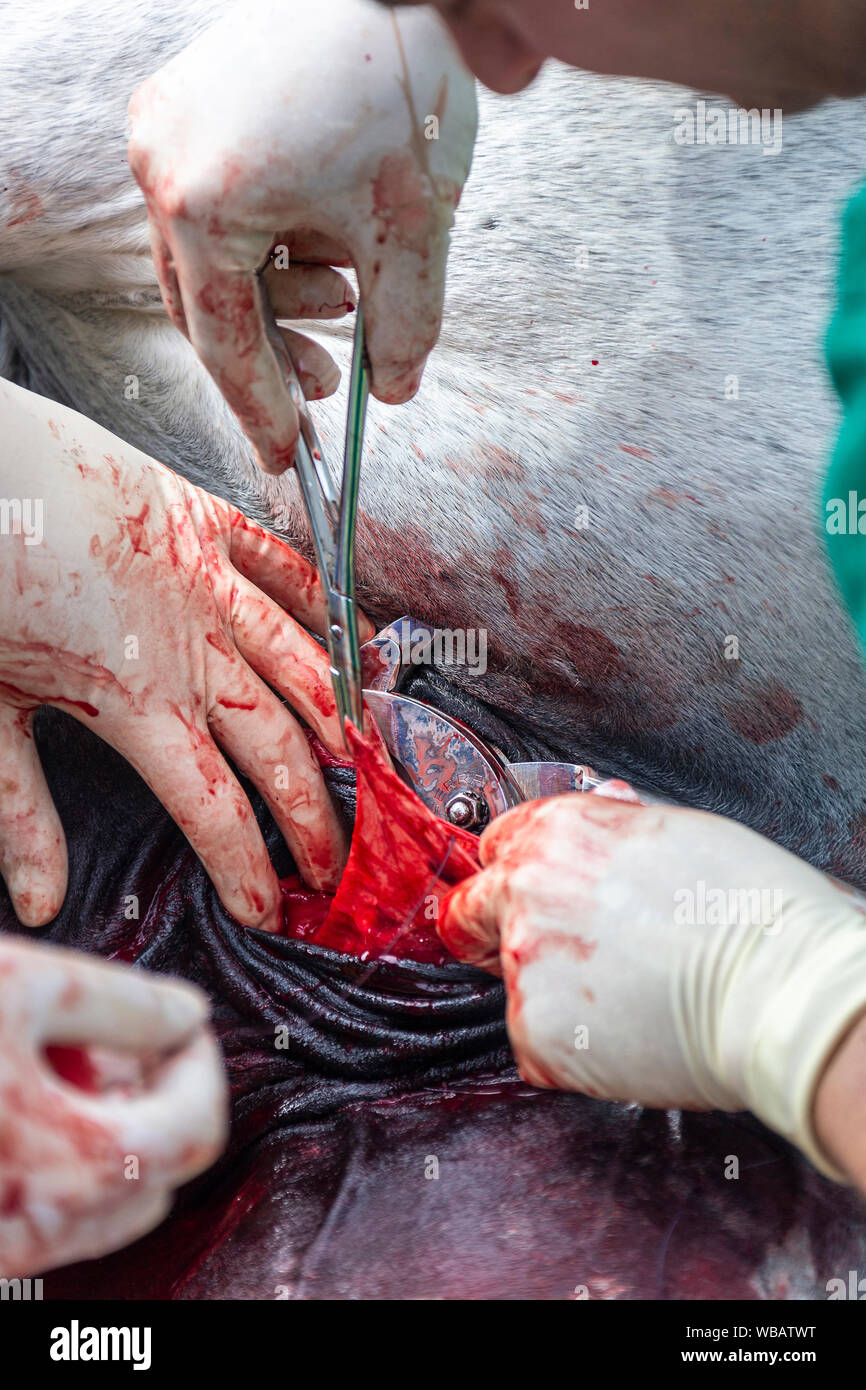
[(402, 862)]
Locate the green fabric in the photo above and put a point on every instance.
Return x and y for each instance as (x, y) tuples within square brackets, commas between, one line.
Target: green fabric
[(845, 486)]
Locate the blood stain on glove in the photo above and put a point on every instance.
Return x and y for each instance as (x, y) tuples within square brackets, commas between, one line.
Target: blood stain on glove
[(402, 862), (73, 1065)]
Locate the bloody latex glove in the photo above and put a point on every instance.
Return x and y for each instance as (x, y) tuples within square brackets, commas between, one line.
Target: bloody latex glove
[(337, 131), (663, 956), (155, 613), (88, 1167)]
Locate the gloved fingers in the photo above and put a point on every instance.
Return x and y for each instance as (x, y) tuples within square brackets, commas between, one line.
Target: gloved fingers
[(225, 309), (288, 658), (283, 574), (317, 371), (76, 999), (178, 1124), (97, 1230), (266, 742), (592, 822), (468, 921), (617, 790), (298, 292), (278, 570), (166, 275), (183, 767), (307, 291), (129, 1220), (402, 286), (309, 245), (508, 832), (33, 857)]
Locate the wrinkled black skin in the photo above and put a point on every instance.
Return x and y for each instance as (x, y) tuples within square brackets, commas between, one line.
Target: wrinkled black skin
[(323, 1191)]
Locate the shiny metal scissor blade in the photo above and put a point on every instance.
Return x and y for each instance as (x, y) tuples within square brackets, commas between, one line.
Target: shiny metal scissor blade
[(455, 774)]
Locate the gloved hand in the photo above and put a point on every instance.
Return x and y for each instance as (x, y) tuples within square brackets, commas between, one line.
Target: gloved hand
[(306, 127), (85, 1171), (154, 613), (664, 956)]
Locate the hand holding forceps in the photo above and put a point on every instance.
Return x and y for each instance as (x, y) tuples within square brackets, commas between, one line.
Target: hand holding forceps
[(457, 775)]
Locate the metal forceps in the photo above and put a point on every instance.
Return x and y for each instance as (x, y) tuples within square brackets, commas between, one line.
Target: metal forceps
[(333, 519)]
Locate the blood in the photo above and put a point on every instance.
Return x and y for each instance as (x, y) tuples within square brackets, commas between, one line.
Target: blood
[(323, 755), (502, 562), (497, 464), (322, 1185), (26, 205), (83, 705), (73, 1065), (401, 201), (671, 499), (571, 942), (304, 909), (402, 862), (768, 712), (135, 526)]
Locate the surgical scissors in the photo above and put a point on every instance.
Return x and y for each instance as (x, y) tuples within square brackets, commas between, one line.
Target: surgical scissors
[(333, 520)]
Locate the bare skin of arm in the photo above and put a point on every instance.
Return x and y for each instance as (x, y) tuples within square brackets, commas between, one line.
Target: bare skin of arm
[(840, 1106), (789, 53)]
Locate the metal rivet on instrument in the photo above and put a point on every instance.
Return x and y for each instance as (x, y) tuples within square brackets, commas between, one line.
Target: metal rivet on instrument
[(467, 810)]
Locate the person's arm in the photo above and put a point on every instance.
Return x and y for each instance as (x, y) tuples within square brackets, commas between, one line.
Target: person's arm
[(677, 959), (840, 1106), (788, 53)]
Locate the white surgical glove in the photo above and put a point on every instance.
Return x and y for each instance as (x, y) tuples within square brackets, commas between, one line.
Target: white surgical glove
[(338, 132), (86, 1168), (158, 616), (664, 956)]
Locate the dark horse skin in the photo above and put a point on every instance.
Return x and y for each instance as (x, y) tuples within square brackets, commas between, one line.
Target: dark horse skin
[(389, 1149)]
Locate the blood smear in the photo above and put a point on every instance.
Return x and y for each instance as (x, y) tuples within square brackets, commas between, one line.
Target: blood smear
[(402, 861), (72, 1065)]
